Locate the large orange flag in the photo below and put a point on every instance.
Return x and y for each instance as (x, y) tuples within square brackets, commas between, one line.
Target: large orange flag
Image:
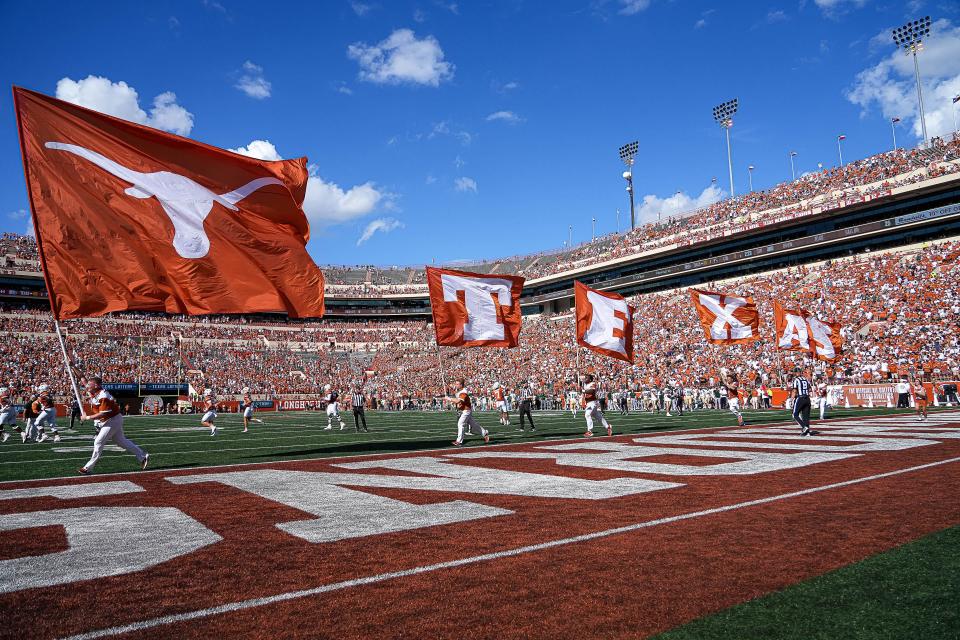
[(475, 309), (128, 217)]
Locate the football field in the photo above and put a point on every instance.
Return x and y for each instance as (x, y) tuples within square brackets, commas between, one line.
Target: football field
[(677, 527)]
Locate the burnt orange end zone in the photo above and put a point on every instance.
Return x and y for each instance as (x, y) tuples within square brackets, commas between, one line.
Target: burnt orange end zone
[(684, 552)]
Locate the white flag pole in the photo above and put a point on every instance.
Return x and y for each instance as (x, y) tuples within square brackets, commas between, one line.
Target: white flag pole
[(66, 362), (443, 377)]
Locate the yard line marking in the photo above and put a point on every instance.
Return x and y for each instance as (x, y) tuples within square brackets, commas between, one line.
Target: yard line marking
[(383, 577)]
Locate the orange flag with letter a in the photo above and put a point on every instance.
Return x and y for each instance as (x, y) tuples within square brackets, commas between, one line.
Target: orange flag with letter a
[(604, 322), (475, 309), (726, 319), (131, 218), (799, 330)]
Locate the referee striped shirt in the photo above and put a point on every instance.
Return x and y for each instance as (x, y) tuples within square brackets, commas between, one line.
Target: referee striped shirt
[(802, 386), (358, 400)]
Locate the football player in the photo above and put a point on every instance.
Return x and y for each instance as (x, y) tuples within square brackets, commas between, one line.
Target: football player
[(46, 414), (465, 406), (591, 407), (209, 411), (333, 407), (920, 399), (733, 396), (247, 404), (8, 416), (501, 400), (109, 423)]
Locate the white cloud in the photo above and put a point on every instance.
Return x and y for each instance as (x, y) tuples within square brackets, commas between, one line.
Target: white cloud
[(833, 8), (19, 214), (383, 225), (360, 8), (401, 59), (631, 7), (327, 203), (121, 100), (252, 81), (652, 207), (259, 149), (443, 128), (419, 15), (504, 116), (890, 84), (776, 15), (700, 24), (465, 184)]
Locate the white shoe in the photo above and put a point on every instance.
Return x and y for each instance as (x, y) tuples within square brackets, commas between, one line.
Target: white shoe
[(342, 426), (213, 431), (146, 460), (42, 438), (23, 436), (6, 436), (56, 438), (328, 427)]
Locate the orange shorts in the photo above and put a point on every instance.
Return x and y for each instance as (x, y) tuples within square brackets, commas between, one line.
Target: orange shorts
[(921, 403)]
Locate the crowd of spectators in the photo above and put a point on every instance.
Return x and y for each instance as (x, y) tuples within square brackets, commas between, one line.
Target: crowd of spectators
[(900, 313)]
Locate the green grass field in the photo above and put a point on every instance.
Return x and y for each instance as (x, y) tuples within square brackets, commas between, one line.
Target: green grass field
[(179, 441), (909, 593)]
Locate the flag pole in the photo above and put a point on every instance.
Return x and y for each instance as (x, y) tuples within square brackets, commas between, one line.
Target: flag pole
[(66, 361), (443, 377)]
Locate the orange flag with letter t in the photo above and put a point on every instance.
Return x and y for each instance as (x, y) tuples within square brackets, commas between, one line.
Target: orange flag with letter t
[(131, 218), (475, 309)]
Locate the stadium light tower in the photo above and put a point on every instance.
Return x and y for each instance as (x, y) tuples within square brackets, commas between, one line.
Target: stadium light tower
[(750, 169), (593, 229), (627, 153), (723, 114), (910, 37), (793, 173), (840, 139), (893, 129)]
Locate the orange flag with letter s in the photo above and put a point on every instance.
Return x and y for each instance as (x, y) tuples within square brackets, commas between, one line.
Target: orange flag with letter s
[(130, 218)]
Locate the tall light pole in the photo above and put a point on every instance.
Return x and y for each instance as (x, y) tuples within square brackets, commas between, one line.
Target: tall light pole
[(750, 169), (593, 230), (723, 114), (910, 37), (840, 139), (570, 236), (893, 129), (793, 173), (618, 221), (627, 153)]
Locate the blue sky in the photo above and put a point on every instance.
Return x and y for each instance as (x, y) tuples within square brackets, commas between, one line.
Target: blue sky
[(447, 131)]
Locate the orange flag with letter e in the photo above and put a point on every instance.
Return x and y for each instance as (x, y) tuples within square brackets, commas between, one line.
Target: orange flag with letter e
[(604, 322), (475, 309), (131, 218), (799, 330), (726, 319)]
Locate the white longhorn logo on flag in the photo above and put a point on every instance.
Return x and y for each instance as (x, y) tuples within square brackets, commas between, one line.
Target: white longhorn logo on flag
[(794, 331), (725, 318), (186, 203), (482, 298), (608, 323), (821, 333)]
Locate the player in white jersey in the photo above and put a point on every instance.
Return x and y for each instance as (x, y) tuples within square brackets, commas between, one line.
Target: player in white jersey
[(248, 410), (8, 415), (501, 401), (209, 411), (333, 408), (591, 407), (573, 400), (823, 401)]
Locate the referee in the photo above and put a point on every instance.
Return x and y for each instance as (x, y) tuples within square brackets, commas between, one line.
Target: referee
[(801, 403), (526, 404), (358, 401)]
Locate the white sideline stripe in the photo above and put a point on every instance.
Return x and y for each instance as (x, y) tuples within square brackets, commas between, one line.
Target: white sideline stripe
[(509, 553), (422, 451)]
